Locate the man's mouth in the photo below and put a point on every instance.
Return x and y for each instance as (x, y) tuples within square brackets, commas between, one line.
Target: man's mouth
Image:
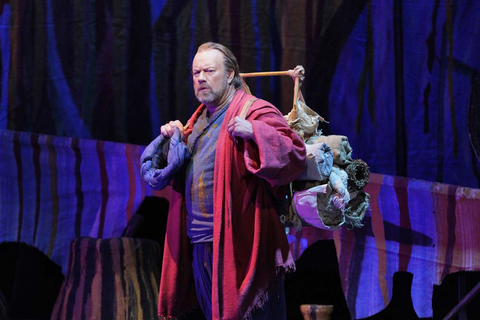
[(203, 89)]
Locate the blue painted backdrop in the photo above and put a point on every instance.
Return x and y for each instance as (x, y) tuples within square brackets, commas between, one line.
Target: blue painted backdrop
[(394, 76)]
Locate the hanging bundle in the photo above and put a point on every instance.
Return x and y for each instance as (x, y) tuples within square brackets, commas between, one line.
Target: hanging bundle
[(329, 193)]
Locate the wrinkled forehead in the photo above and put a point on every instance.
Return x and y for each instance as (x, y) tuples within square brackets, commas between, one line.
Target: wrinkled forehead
[(208, 58)]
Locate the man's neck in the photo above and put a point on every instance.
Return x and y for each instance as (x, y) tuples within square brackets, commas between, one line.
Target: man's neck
[(215, 107)]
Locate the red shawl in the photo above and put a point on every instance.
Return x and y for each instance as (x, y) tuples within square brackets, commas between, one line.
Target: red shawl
[(250, 246)]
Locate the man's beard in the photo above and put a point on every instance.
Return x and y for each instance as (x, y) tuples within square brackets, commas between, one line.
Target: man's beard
[(211, 95)]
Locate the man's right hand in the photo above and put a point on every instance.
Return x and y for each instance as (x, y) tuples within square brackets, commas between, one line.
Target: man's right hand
[(168, 129)]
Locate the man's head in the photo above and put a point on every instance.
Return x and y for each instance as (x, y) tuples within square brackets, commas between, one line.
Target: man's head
[(215, 73)]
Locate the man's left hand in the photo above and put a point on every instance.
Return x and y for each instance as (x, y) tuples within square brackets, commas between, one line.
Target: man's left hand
[(240, 128)]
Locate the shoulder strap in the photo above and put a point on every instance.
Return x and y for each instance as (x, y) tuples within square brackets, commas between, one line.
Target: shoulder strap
[(246, 107)]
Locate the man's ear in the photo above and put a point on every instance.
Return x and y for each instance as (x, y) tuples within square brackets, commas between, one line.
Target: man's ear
[(231, 75)]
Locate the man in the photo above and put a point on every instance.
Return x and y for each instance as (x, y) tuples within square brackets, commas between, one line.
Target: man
[(225, 246)]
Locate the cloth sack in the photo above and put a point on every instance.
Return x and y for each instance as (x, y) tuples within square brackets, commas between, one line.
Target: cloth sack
[(319, 162), (159, 178), (342, 151)]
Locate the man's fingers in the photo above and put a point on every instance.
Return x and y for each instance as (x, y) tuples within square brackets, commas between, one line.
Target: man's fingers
[(230, 126), (165, 130), (240, 128), (168, 129), (179, 125)]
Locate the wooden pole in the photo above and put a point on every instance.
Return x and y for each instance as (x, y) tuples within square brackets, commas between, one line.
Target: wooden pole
[(266, 74), (278, 73), (295, 94)]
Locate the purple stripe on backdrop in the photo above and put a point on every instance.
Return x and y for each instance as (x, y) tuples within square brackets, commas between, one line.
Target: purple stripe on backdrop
[(131, 180), (28, 182), (104, 185), (45, 198), (66, 196), (38, 173), (52, 162), (78, 186)]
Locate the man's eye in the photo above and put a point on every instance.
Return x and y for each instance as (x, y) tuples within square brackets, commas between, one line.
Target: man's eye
[(209, 71)]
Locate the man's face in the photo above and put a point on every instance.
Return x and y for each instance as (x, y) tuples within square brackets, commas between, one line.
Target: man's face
[(210, 80)]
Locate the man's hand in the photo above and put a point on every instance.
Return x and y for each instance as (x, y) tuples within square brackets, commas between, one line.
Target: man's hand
[(158, 178), (240, 128), (168, 129)]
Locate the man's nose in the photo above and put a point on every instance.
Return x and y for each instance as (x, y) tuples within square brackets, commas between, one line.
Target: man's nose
[(201, 76)]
